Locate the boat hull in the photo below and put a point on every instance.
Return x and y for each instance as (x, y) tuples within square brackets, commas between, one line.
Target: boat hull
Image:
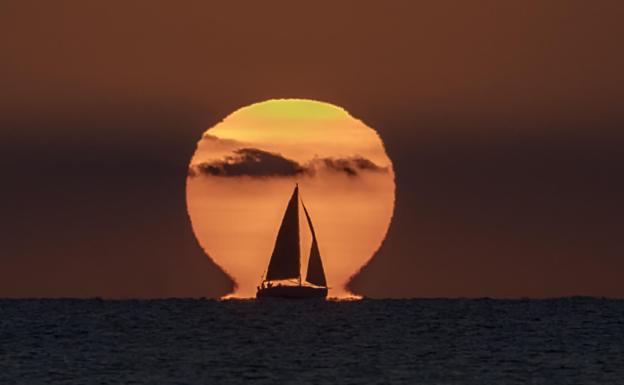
[(292, 292)]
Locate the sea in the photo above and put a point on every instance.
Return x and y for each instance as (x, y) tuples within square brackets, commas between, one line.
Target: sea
[(414, 341)]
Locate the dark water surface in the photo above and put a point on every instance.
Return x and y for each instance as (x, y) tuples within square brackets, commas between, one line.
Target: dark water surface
[(562, 341)]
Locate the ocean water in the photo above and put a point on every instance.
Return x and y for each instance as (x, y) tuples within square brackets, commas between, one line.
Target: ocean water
[(559, 341)]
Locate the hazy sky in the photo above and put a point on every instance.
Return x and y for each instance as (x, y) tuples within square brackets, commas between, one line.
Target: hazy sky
[(504, 122)]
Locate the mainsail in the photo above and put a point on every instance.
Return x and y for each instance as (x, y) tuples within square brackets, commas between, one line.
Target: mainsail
[(285, 260), (315, 274)]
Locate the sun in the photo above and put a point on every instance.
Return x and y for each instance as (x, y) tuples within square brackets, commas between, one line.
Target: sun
[(243, 172)]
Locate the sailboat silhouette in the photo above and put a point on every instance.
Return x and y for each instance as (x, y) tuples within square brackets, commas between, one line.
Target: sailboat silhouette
[(285, 264)]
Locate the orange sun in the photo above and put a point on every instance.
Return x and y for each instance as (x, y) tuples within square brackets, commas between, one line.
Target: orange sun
[(243, 172)]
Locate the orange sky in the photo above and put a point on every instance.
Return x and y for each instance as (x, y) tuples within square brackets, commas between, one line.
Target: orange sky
[(503, 120)]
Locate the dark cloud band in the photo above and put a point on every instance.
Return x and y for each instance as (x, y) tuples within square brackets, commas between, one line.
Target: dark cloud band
[(250, 162), (259, 163)]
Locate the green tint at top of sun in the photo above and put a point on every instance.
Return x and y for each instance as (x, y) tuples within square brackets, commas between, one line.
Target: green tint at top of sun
[(293, 109), (299, 129)]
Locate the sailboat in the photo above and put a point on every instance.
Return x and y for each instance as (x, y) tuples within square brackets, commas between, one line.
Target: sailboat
[(283, 276)]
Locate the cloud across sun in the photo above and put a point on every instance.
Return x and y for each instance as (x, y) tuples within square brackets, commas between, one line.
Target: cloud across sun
[(243, 171), (258, 163)]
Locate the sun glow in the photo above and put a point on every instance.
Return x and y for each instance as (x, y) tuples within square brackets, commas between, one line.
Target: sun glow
[(243, 172)]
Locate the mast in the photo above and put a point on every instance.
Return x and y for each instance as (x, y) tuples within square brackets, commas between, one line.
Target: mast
[(316, 273), (286, 258)]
